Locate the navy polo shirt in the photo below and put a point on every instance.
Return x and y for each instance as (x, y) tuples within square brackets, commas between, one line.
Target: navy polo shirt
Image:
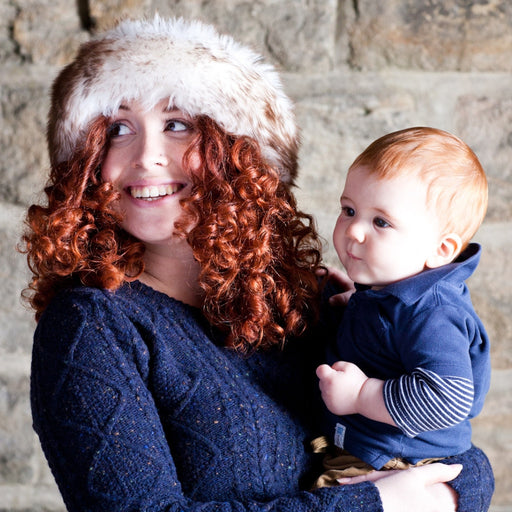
[(423, 331)]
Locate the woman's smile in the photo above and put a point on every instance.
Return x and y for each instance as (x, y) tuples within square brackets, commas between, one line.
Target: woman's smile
[(154, 192)]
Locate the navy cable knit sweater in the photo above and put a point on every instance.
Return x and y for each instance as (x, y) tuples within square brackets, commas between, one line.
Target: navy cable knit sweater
[(139, 408)]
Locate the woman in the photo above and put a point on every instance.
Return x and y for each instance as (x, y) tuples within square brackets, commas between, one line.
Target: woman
[(170, 266)]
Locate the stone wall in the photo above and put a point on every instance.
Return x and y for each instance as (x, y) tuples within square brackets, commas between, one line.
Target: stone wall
[(356, 69)]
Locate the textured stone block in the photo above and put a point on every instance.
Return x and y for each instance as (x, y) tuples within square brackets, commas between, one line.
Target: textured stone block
[(16, 437), (8, 50), (27, 498), (46, 32), (23, 107), (485, 122), (16, 323), (435, 35), (491, 292)]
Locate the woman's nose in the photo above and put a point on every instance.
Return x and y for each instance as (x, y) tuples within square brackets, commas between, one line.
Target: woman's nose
[(151, 152)]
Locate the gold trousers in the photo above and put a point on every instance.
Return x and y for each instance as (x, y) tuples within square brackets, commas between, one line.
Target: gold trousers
[(339, 463)]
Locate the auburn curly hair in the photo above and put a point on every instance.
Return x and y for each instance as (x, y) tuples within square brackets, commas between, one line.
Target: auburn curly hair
[(257, 252)]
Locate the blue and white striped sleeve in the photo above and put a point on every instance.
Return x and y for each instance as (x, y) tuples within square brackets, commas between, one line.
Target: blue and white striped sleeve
[(423, 401)]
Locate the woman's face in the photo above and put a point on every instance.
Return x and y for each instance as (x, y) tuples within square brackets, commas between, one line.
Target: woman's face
[(144, 163)]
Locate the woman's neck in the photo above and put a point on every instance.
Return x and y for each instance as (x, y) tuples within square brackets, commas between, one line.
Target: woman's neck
[(173, 272)]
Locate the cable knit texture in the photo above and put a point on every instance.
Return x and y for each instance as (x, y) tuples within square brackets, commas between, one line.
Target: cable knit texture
[(139, 407)]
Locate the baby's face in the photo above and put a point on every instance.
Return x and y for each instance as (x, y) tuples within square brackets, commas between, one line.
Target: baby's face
[(385, 232)]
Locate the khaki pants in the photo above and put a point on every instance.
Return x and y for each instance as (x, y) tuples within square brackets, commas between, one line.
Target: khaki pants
[(339, 463)]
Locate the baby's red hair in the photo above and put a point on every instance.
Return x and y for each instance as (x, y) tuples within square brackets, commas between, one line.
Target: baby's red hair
[(257, 251)]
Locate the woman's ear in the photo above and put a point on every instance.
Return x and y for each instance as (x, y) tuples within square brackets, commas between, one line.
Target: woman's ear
[(448, 249)]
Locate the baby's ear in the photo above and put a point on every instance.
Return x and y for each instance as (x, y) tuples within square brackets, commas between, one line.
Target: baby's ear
[(448, 249)]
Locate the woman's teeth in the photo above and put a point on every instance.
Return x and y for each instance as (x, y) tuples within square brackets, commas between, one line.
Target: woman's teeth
[(154, 192)]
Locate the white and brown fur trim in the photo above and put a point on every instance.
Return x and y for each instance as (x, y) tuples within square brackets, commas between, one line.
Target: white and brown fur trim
[(199, 70)]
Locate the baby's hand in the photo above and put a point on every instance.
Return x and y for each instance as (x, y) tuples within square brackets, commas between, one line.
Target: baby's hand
[(340, 386)]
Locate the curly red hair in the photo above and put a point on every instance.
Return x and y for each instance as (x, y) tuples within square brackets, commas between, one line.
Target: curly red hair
[(76, 238), (256, 250)]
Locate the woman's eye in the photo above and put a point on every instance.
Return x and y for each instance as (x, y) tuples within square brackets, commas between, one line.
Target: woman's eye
[(381, 223), (347, 211), (118, 129), (176, 126)]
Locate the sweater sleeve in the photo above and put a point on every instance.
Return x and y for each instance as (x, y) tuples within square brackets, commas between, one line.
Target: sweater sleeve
[(101, 432), (475, 483)]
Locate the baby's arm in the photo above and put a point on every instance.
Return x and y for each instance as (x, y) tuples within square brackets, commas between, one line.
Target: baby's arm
[(347, 390), (441, 401)]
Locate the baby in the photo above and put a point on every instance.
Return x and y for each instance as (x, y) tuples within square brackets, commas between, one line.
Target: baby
[(410, 360)]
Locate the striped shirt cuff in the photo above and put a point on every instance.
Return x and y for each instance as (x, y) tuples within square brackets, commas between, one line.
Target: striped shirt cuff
[(424, 401)]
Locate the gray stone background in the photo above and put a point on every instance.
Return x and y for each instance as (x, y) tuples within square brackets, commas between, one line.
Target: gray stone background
[(356, 69)]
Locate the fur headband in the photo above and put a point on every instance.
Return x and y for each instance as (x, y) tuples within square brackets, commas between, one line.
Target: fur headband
[(200, 71)]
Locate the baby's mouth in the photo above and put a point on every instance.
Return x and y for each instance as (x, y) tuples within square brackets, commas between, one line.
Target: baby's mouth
[(352, 256), (153, 192)]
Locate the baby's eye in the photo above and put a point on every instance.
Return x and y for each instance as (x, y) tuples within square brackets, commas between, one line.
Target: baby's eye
[(118, 129), (348, 211), (381, 223), (176, 126)]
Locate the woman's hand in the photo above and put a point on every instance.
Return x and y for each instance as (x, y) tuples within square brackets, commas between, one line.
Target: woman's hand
[(342, 280), (421, 489)]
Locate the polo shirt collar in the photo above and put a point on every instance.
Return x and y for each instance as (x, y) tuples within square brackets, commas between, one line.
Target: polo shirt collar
[(411, 289)]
